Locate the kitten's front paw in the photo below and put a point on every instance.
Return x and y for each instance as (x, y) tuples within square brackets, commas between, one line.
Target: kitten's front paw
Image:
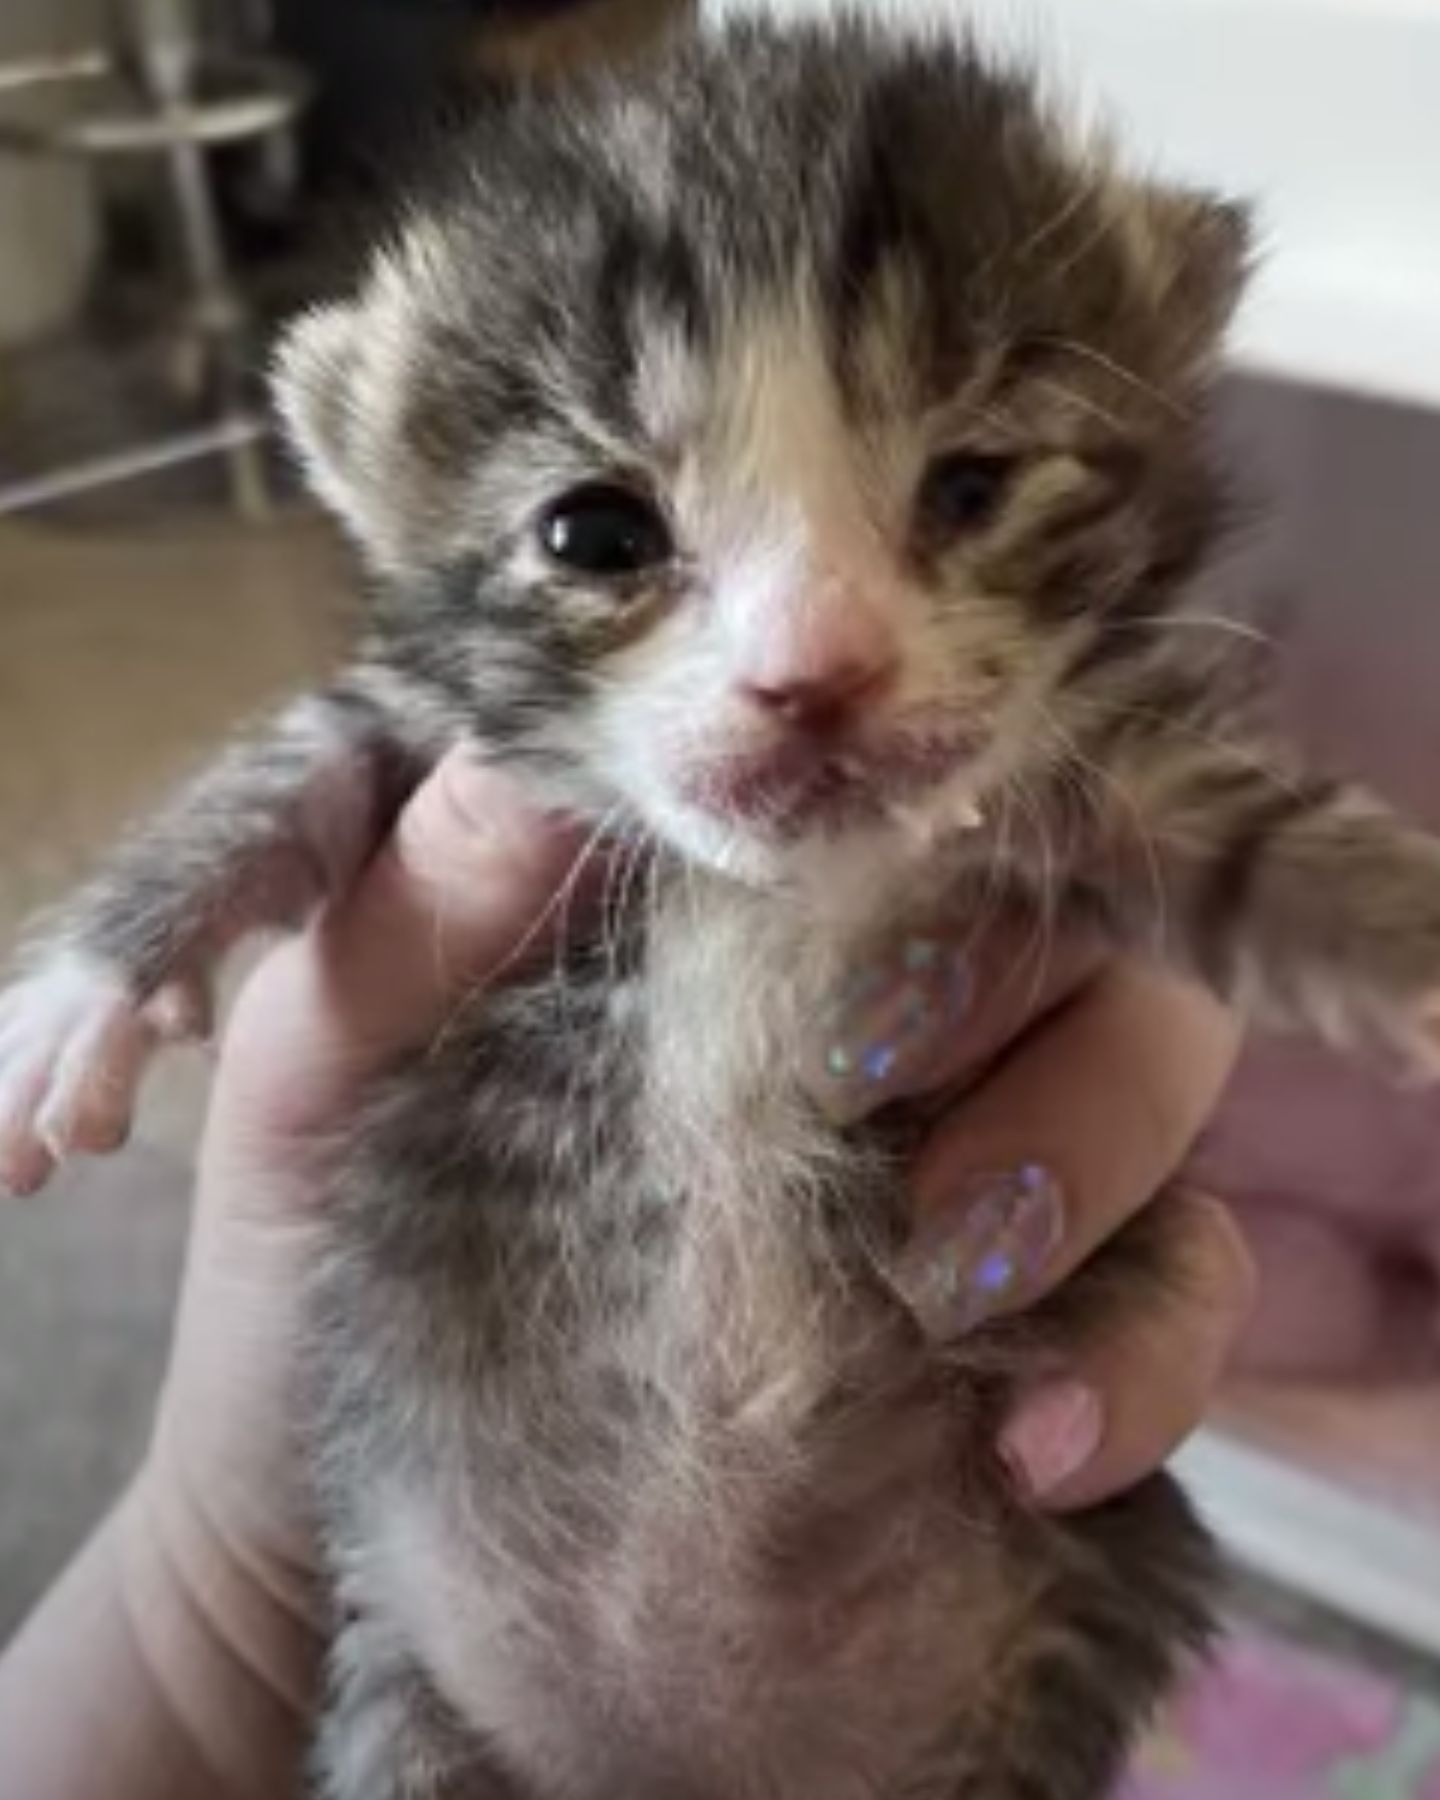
[(74, 1043)]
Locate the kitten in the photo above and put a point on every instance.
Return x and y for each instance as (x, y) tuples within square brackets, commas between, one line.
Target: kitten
[(790, 457)]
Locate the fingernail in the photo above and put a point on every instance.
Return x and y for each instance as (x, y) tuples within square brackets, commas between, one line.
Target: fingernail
[(1054, 1435), (894, 1016), (983, 1251), (24, 1176)]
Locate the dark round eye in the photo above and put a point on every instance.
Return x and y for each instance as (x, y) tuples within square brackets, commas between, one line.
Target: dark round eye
[(963, 490), (602, 529)]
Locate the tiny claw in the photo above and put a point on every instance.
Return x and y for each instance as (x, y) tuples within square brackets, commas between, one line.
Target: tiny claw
[(181, 1011), (75, 1048), (24, 1172)]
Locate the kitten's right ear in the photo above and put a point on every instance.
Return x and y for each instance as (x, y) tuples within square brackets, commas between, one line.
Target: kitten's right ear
[(1192, 253), (333, 402)]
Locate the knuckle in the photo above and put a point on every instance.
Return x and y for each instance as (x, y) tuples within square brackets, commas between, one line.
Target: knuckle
[(1220, 1271), (1176, 1045)]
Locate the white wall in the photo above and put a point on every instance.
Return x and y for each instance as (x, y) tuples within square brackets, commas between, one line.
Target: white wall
[(1325, 112)]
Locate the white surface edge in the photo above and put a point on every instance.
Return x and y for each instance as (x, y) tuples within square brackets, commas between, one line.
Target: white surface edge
[(1376, 1565), (1322, 112), (1376, 344)]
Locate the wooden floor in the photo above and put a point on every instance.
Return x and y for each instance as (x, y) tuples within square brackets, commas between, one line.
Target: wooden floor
[(123, 660)]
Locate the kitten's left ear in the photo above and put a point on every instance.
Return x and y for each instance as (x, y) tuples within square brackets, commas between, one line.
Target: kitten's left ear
[(1192, 253), (314, 367), (337, 378)]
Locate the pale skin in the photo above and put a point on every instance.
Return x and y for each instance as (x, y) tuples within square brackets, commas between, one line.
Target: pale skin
[(179, 1655)]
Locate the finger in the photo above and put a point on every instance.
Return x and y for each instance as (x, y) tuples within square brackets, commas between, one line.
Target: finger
[(1331, 1134), (460, 889), (1144, 1383), (936, 1008), (1074, 1132), (1332, 1306), (471, 881)]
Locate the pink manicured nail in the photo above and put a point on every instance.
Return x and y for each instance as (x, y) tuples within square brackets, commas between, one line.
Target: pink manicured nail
[(1056, 1432)]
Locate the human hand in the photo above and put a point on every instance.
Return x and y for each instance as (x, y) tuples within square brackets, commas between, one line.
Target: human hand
[(1108, 1071), (1095, 1075), (1334, 1171)]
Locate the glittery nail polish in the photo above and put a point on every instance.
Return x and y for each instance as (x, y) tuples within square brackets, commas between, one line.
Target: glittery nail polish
[(983, 1252), (893, 1016)]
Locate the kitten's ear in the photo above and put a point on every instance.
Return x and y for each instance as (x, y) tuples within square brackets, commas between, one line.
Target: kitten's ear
[(324, 382), (1192, 253)]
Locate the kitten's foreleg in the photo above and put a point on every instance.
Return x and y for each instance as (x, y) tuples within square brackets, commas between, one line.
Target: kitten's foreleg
[(1307, 902), (255, 842)]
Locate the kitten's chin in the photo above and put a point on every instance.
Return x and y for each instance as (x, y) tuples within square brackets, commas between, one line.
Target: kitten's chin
[(732, 851), (837, 860)]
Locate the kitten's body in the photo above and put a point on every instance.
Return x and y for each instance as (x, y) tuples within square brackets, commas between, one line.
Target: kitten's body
[(678, 1503), (636, 1476)]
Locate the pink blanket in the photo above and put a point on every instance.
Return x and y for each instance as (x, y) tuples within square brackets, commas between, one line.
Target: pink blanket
[(1270, 1721)]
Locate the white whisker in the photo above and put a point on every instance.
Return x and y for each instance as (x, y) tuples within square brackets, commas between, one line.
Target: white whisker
[(1227, 747), (558, 905), (1205, 622), (1082, 765), (1088, 353), (1042, 940), (1092, 407)]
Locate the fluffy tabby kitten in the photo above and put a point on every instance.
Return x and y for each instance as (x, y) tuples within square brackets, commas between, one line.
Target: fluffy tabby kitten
[(786, 456)]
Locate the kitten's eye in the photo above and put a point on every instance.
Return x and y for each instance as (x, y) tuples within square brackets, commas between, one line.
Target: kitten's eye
[(963, 490), (602, 529)]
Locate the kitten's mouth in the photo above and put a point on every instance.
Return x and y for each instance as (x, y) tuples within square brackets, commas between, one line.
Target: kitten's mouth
[(804, 788)]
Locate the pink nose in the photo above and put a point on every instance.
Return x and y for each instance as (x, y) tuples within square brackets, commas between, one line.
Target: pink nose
[(819, 701), (813, 663)]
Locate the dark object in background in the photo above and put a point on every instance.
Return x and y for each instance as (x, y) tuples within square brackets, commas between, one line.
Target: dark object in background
[(374, 63), (378, 64), (382, 66)]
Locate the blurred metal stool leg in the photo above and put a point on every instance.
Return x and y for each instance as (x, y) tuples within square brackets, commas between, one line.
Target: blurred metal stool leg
[(163, 48), (176, 99)]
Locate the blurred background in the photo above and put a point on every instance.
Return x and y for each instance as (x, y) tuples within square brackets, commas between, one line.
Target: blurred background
[(177, 175)]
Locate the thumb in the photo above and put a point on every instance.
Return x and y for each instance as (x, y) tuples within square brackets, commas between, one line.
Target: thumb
[(472, 878), (473, 881)]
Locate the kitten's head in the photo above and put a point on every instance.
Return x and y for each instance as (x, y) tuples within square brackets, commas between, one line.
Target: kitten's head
[(763, 442)]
